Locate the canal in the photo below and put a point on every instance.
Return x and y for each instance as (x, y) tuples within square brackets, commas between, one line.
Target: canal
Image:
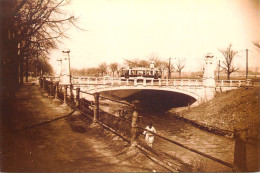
[(169, 126), (220, 147)]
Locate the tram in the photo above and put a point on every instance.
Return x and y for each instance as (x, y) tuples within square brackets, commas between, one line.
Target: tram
[(140, 73)]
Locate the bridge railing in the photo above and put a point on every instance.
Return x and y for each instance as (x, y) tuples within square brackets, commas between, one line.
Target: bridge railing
[(135, 82), (234, 83)]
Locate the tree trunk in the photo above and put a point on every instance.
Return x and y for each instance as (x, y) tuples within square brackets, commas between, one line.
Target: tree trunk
[(21, 72), (26, 70)]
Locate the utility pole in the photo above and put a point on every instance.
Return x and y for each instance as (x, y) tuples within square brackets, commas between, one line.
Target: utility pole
[(169, 73), (246, 63), (218, 68)]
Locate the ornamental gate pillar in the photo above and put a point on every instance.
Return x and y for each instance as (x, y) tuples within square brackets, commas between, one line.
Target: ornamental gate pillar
[(209, 77), (65, 76)]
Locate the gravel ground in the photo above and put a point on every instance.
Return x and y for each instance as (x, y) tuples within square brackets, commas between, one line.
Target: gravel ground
[(34, 140)]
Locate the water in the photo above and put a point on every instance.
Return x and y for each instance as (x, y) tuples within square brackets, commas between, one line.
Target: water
[(188, 135), (214, 145)]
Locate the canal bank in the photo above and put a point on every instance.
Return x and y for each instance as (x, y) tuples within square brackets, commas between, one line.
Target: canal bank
[(214, 116), (41, 135), (225, 111)]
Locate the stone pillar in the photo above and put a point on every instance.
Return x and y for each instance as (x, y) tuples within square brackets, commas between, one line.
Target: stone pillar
[(209, 77), (65, 77), (135, 123), (144, 82), (96, 107), (77, 98), (135, 82), (240, 136)]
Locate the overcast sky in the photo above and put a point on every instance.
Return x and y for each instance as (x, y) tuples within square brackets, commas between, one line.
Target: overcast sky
[(188, 29)]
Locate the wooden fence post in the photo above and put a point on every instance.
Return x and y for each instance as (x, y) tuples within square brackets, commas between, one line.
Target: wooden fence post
[(40, 82), (56, 88), (77, 98), (65, 95), (44, 84), (135, 122), (71, 93), (96, 107), (51, 90), (240, 136)]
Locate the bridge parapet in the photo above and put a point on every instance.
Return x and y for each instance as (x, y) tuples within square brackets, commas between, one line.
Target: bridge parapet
[(136, 82), (156, 82), (234, 83), (192, 87)]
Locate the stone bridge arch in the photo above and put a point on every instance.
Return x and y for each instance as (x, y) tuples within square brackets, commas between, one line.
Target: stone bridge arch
[(196, 93)]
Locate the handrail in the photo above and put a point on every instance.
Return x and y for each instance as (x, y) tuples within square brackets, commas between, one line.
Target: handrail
[(162, 137), (190, 149)]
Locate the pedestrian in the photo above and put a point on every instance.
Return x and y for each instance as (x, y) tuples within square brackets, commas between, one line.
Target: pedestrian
[(149, 137)]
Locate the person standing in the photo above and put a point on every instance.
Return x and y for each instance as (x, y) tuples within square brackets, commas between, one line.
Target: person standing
[(149, 137)]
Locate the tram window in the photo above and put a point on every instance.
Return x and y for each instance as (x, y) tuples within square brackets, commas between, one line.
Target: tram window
[(133, 72), (140, 72), (151, 72)]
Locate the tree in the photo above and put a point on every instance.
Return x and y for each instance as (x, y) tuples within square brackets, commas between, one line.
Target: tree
[(158, 63), (179, 64), (113, 67), (257, 44), (229, 55), (137, 63), (103, 68), (29, 28)]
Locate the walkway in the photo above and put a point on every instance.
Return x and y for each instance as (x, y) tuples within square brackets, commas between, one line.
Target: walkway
[(30, 145)]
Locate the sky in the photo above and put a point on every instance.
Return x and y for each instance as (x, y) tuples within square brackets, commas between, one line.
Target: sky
[(176, 29)]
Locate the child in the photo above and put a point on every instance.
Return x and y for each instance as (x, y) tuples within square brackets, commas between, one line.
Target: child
[(149, 137)]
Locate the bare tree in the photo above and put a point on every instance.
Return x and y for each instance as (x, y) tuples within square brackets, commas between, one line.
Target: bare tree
[(137, 63), (29, 28), (179, 64), (257, 44), (103, 68), (113, 67), (229, 55)]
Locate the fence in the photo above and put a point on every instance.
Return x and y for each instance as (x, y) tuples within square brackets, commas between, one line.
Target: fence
[(129, 128)]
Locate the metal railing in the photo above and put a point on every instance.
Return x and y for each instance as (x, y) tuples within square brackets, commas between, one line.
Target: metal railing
[(128, 128)]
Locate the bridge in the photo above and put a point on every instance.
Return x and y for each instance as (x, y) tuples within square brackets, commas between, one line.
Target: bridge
[(190, 91)]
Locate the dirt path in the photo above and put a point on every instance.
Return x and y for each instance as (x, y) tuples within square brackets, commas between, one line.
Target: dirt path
[(29, 146)]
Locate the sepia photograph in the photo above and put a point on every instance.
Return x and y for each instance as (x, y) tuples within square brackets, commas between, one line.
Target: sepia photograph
[(129, 85)]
